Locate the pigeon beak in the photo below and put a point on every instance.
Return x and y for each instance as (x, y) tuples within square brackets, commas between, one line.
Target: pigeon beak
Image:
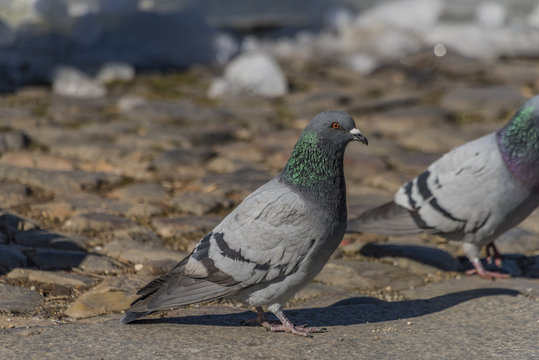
[(358, 136)]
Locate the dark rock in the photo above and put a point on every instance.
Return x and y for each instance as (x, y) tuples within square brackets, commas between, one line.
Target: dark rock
[(48, 259), (530, 266), (18, 300), (11, 258), (10, 224), (42, 238)]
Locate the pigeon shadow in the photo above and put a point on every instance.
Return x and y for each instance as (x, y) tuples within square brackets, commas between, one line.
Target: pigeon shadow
[(516, 265), (352, 311)]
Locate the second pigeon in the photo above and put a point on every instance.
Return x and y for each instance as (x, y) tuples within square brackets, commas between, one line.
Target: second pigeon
[(474, 193)]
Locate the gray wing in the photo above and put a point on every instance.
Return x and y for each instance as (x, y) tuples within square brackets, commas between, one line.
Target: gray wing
[(457, 192), (264, 238)]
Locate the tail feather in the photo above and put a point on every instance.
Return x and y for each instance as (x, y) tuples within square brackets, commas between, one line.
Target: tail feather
[(174, 289), (131, 316), (388, 219), (181, 291)]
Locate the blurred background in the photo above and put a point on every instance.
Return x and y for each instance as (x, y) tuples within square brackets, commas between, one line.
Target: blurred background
[(129, 128), (108, 38)]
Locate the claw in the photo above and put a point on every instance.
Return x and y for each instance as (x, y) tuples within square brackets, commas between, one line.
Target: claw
[(480, 270), (284, 325)]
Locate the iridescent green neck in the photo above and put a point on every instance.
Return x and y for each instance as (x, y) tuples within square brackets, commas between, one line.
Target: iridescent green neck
[(315, 169), (519, 145)]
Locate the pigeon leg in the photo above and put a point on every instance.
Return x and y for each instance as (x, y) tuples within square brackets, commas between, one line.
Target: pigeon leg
[(287, 326), (492, 252), (260, 319), (480, 270), (284, 325)]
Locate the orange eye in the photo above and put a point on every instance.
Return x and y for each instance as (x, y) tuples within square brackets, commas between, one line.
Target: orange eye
[(336, 125)]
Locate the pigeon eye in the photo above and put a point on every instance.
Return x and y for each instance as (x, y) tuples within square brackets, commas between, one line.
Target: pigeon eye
[(335, 125)]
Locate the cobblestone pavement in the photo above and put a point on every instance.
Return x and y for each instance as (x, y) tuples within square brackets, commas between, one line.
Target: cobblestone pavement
[(100, 196)]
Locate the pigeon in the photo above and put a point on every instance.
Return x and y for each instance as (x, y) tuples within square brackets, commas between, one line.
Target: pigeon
[(275, 241), (473, 193)]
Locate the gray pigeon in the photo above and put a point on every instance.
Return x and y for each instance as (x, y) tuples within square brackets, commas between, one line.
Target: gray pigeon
[(275, 241), (474, 193)]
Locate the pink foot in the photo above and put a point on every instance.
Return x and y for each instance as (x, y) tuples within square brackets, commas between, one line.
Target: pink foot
[(480, 270), (285, 325), (300, 330)]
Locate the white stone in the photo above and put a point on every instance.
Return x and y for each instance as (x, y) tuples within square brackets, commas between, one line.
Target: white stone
[(17, 12), (225, 47), (69, 81), (405, 14), (533, 17), (114, 72), (491, 14), (128, 103), (217, 88), (82, 7), (362, 63), (251, 74), (338, 19)]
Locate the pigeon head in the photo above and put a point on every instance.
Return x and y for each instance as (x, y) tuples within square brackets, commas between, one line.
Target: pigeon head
[(518, 141), (316, 164), (335, 128)]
